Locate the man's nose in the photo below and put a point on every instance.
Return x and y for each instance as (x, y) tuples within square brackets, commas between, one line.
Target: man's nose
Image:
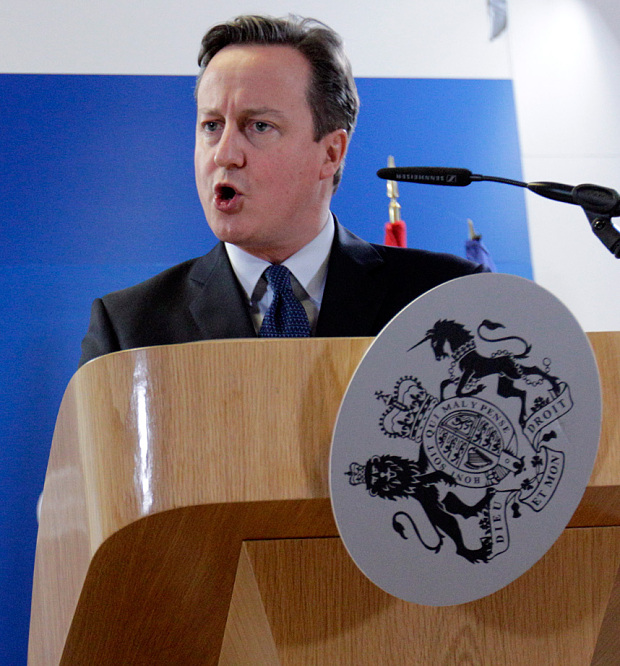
[(229, 152)]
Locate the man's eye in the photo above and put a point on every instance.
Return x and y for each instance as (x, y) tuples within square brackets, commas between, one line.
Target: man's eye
[(210, 126), (261, 126)]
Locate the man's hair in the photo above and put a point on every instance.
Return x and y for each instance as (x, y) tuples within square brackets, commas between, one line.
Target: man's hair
[(332, 94)]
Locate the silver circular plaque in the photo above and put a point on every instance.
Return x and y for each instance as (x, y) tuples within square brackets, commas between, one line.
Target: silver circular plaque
[(465, 440)]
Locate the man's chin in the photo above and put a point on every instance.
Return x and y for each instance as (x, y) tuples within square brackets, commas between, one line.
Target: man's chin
[(226, 226), (229, 231)]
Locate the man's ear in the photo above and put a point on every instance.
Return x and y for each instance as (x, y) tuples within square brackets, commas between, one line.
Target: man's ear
[(335, 144)]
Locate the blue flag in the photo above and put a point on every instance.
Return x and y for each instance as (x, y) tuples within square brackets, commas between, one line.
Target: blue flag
[(476, 251)]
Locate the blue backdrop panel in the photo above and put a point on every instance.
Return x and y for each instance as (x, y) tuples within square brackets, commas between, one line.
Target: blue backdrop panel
[(97, 193), (431, 122)]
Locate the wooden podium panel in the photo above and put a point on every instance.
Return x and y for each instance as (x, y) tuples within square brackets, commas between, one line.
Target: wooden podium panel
[(320, 609), (179, 473)]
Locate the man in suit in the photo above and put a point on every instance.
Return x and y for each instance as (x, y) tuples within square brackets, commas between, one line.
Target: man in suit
[(276, 107)]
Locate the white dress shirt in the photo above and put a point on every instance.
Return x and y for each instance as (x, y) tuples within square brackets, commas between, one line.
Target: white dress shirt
[(309, 272)]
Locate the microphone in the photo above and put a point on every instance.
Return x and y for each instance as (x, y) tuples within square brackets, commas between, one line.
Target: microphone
[(428, 175), (599, 203), (594, 198)]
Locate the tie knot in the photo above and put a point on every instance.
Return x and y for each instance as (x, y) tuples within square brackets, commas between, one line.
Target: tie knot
[(278, 277), (286, 316)]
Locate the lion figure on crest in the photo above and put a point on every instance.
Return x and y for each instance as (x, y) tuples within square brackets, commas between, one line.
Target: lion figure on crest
[(392, 477)]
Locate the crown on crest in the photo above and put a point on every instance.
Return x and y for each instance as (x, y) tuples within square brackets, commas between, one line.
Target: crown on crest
[(408, 408), (356, 474)]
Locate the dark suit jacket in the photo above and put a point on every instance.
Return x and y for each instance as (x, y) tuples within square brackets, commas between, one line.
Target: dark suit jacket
[(201, 299)]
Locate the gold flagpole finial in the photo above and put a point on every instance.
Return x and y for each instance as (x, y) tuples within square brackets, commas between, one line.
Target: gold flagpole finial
[(472, 232), (392, 192)]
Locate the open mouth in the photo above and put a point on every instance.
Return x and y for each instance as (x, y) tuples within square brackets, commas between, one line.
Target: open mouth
[(226, 193), (227, 198)]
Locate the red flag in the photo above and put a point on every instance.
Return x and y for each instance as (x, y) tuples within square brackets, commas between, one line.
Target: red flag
[(396, 234)]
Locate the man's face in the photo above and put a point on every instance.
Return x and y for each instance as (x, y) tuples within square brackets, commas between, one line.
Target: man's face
[(264, 183)]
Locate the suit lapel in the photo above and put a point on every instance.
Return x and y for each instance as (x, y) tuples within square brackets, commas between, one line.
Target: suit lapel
[(219, 307), (353, 291)]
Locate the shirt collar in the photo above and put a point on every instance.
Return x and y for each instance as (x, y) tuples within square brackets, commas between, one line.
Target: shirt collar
[(308, 265)]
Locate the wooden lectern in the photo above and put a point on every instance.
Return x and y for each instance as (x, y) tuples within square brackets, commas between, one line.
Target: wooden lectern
[(186, 520)]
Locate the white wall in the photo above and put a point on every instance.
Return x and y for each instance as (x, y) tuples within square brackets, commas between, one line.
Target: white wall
[(393, 38), (566, 73)]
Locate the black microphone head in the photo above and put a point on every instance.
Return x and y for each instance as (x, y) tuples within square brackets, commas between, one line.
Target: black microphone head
[(428, 175)]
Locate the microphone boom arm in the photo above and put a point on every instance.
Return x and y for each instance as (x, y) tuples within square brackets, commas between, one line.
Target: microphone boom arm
[(605, 231), (599, 203)]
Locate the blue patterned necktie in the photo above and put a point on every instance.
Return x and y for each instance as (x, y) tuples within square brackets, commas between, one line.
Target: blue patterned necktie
[(286, 316)]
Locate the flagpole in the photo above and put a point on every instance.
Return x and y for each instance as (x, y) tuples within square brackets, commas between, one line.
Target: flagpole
[(395, 229)]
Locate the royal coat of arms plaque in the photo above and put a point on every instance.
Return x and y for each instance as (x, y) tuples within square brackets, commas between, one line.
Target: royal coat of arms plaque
[(465, 440)]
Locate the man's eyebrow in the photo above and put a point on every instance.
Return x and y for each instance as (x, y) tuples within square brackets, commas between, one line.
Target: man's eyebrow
[(263, 110), (246, 113)]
